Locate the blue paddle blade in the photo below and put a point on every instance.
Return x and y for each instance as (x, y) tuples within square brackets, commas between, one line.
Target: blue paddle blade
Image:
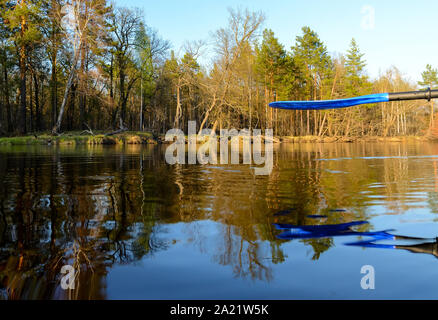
[(330, 104)]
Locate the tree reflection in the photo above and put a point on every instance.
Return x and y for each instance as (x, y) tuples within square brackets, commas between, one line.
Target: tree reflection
[(95, 208)]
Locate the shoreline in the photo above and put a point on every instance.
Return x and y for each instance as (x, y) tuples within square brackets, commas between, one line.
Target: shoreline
[(74, 138), (147, 138), (316, 139)]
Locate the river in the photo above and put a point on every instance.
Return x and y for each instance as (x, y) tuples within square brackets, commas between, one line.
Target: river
[(133, 227)]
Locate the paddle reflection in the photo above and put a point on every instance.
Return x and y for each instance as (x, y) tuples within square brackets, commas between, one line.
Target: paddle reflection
[(420, 245)]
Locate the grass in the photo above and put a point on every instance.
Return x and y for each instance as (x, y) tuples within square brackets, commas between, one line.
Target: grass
[(75, 138), (136, 137), (311, 139)]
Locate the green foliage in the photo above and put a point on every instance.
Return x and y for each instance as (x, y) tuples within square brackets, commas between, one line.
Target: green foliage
[(124, 68), (75, 138), (356, 80), (271, 58), (311, 56), (276, 69), (24, 19), (430, 77), (144, 61), (354, 64)]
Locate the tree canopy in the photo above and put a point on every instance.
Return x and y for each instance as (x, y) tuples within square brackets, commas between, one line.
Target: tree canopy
[(75, 65)]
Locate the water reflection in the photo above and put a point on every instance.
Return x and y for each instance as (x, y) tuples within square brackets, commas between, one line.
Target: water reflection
[(321, 231), (94, 208), (102, 207), (421, 245)]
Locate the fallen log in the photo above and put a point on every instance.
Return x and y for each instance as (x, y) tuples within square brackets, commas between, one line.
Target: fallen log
[(116, 132)]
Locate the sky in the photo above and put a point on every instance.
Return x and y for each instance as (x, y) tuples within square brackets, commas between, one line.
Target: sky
[(388, 32)]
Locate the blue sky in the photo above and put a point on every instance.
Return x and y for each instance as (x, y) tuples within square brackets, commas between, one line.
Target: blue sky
[(403, 33)]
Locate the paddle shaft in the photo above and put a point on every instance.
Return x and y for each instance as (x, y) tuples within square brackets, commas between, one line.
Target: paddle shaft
[(414, 95), (349, 102)]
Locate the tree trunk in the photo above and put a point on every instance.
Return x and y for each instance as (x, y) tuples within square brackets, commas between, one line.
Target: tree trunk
[(213, 104), (1, 112), (22, 53), (321, 128), (124, 95), (82, 102), (71, 108), (308, 122), (122, 101), (116, 108), (57, 126), (141, 104), (54, 88), (82, 78), (22, 90), (178, 106), (32, 116), (7, 99), (37, 104)]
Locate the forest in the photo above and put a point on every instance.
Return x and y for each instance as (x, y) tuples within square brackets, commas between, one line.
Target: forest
[(73, 65)]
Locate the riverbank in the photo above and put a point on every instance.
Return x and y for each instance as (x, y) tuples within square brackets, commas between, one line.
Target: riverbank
[(132, 137), (316, 139), (75, 138)]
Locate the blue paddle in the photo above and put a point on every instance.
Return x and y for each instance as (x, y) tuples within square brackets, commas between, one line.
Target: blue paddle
[(343, 103)]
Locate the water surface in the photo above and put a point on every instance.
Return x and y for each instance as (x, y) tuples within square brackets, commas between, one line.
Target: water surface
[(137, 228)]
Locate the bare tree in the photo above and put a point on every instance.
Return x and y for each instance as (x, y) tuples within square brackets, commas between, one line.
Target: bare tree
[(75, 25), (74, 34), (229, 42)]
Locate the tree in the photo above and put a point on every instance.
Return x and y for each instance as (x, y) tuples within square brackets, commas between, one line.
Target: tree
[(22, 17), (354, 67), (75, 27), (52, 32), (146, 66), (109, 70), (129, 35), (229, 44), (126, 24), (38, 70), (183, 74), (271, 65), (7, 63), (311, 56), (150, 51), (356, 83), (93, 20), (430, 79)]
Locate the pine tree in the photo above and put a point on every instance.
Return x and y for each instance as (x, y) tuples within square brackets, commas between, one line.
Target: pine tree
[(430, 77), (310, 54), (144, 61), (355, 69), (21, 17), (311, 57), (7, 61), (356, 83), (430, 80), (271, 58), (271, 62)]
